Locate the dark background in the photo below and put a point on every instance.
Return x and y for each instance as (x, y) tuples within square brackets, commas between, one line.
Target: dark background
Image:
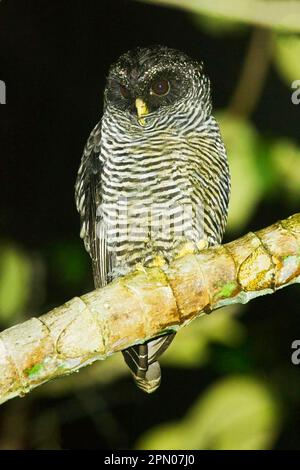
[(54, 57)]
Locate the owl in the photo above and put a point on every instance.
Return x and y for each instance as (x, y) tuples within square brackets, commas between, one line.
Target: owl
[(153, 182)]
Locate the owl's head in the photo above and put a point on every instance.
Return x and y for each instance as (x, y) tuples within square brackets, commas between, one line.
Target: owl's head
[(148, 81)]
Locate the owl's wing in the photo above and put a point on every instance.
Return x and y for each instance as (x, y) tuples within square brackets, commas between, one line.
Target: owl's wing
[(88, 200)]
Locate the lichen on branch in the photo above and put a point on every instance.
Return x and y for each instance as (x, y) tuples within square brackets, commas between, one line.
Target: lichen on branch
[(145, 304)]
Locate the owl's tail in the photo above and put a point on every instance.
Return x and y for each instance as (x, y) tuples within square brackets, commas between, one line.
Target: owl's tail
[(152, 378), (142, 361)]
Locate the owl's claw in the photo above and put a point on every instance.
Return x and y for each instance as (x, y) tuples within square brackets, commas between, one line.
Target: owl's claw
[(157, 262), (190, 248), (140, 267), (202, 244), (186, 249)]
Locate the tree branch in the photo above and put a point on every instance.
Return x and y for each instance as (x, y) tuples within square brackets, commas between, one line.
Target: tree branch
[(146, 303)]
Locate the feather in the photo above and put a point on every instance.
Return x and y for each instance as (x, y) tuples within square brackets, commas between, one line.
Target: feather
[(142, 191), (88, 201)]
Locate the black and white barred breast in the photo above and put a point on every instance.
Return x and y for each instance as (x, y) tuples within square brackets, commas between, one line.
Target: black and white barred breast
[(158, 189)]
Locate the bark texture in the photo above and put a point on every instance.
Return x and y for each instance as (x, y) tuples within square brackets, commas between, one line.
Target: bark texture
[(145, 304)]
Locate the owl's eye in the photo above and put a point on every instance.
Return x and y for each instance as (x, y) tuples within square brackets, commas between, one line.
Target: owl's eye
[(124, 91), (160, 88)]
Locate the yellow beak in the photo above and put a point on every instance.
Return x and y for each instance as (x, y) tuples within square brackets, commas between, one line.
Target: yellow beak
[(142, 110)]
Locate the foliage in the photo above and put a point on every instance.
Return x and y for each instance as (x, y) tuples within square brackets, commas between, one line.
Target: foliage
[(236, 413), (15, 282), (286, 57), (277, 14), (227, 378)]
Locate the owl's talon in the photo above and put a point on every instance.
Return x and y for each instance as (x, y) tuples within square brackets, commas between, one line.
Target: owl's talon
[(190, 248), (202, 244), (140, 267), (186, 249), (157, 262)]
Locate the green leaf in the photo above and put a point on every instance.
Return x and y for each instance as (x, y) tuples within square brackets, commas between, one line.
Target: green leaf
[(192, 345), (281, 15), (236, 413), (287, 57), (15, 281), (69, 259), (216, 26), (286, 160), (242, 143)]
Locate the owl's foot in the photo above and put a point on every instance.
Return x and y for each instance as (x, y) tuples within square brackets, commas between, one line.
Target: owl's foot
[(140, 267), (190, 248), (202, 244), (157, 262)]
